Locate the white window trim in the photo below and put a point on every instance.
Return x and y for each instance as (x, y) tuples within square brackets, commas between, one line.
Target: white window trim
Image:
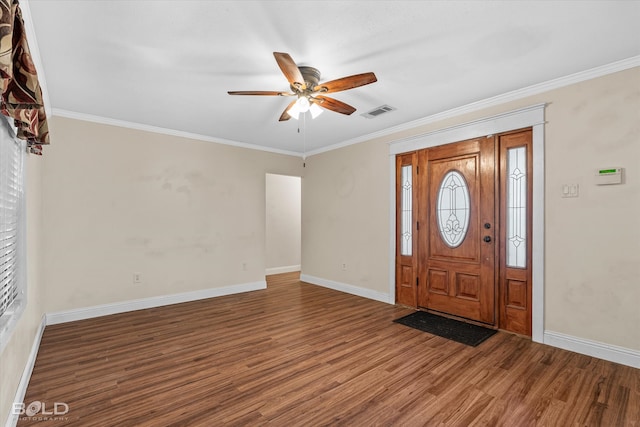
[(12, 315), (533, 117)]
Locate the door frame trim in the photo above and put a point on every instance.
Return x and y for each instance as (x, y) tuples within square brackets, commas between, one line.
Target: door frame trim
[(532, 116)]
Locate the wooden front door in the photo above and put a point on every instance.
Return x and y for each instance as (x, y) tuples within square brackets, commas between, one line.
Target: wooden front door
[(458, 253)]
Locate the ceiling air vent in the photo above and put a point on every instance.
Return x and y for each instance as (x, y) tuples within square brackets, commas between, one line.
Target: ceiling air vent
[(377, 111)]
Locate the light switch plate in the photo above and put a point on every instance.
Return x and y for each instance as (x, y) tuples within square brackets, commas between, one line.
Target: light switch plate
[(570, 190)]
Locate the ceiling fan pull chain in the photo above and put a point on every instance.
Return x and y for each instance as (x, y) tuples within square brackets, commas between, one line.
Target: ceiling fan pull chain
[(304, 141)]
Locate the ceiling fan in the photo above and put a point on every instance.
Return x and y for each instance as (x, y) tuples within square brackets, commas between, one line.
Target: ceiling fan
[(309, 93)]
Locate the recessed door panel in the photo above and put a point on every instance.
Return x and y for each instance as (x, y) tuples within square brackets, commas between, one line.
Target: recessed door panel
[(468, 286), (438, 281)]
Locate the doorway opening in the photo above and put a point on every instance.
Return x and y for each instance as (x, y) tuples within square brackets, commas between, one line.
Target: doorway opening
[(283, 224)]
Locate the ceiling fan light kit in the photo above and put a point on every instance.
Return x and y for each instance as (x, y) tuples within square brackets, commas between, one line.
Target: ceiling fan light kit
[(302, 105), (315, 111), (305, 84)]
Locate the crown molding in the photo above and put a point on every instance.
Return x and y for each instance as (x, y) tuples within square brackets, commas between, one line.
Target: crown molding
[(514, 95), (165, 131)]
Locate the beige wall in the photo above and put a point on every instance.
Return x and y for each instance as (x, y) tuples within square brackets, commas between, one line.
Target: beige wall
[(592, 243), (188, 215), (15, 355), (345, 216), (283, 221)]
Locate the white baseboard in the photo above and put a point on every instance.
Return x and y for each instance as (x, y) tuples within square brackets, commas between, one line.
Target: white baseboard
[(612, 353), (280, 270), (21, 391), (140, 304), (349, 289)]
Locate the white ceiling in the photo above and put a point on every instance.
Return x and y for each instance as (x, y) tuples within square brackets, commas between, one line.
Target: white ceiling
[(169, 64)]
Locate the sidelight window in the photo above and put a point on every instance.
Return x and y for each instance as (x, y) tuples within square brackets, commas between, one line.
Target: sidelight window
[(407, 206), (516, 207)]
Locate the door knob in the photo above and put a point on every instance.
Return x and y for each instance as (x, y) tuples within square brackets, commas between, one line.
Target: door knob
[(487, 239), (487, 225)]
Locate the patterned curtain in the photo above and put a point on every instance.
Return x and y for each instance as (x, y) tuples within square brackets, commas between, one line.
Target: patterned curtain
[(21, 92)]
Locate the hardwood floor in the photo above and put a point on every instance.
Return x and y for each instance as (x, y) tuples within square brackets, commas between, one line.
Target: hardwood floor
[(302, 355)]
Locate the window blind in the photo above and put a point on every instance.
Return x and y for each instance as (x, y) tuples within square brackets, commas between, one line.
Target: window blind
[(11, 190)]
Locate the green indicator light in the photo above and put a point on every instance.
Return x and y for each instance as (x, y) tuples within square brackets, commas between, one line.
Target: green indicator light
[(603, 171)]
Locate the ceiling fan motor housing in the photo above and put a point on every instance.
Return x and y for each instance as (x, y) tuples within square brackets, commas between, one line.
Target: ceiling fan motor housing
[(311, 77)]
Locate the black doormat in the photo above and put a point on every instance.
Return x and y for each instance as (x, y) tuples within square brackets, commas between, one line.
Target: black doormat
[(455, 330)]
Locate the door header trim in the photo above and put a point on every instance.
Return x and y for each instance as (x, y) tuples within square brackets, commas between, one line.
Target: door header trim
[(511, 120)]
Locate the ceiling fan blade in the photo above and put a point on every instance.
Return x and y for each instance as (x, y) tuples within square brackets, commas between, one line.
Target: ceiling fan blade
[(289, 69), (333, 105), (345, 83), (285, 114), (259, 92)]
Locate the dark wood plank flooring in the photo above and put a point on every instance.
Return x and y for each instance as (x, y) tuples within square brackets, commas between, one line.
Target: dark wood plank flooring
[(302, 355)]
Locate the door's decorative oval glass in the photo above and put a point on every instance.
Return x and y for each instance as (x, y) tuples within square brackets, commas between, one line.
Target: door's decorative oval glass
[(452, 208)]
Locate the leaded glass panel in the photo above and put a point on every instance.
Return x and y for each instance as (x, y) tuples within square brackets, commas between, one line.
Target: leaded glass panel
[(452, 208), (517, 207), (407, 213)]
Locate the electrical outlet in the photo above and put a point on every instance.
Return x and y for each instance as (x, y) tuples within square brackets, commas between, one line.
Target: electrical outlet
[(244, 266), (137, 277), (344, 266)]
